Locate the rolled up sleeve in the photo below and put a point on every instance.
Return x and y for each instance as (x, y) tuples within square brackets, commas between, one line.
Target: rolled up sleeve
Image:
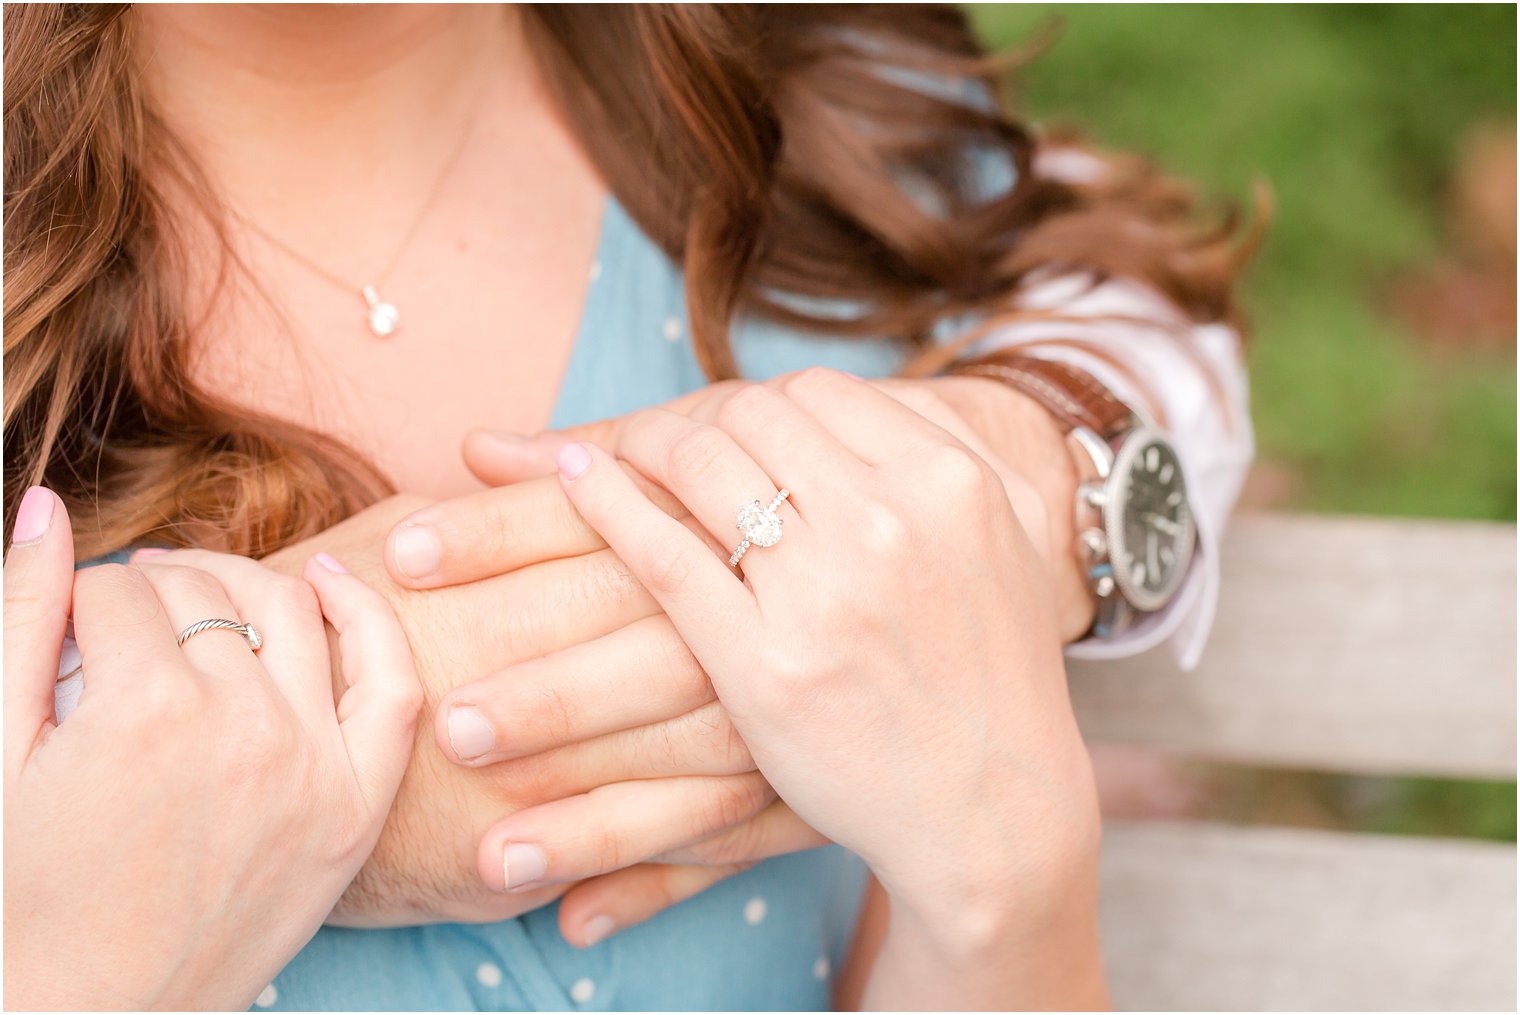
[(1186, 379)]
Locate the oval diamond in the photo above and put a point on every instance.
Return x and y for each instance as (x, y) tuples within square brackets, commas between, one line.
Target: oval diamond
[(760, 527)]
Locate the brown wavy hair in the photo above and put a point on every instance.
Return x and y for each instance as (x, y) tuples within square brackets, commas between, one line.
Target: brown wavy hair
[(773, 151)]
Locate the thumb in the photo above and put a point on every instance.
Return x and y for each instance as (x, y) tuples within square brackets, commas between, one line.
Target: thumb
[(39, 588), (377, 714)]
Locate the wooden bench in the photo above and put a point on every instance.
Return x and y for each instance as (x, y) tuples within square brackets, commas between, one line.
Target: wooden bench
[(1370, 646)]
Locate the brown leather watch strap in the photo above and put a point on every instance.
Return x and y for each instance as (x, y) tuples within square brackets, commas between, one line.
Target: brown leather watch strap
[(1072, 396)]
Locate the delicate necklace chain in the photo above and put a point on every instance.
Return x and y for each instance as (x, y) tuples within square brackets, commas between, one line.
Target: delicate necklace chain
[(382, 317)]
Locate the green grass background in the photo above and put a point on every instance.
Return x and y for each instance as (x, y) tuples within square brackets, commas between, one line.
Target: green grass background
[(1355, 116)]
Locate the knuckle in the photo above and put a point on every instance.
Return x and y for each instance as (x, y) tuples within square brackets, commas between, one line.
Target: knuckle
[(167, 700), (811, 380), (669, 657), (740, 844), (795, 677), (491, 534), (109, 581), (610, 582), (732, 801), (668, 571), (26, 605), (558, 710), (961, 473), (403, 703), (294, 599), (924, 402), (748, 408), (693, 453), (606, 846), (189, 582), (724, 750), (882, 528)]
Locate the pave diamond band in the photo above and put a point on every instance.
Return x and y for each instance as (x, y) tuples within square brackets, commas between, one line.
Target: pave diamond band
[(248, 631), (760, 524)]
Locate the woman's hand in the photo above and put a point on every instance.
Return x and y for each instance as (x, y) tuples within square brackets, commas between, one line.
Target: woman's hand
[(1007, 428), (893, 665), (645, 674), (184, 833)]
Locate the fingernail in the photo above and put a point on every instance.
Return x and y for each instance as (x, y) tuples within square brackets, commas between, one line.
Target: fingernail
[(573, 459), (33, 517), (417, 551), (852, 376), (597, 929), (330, 562), (148, 551), (470, 733), (522, 864)]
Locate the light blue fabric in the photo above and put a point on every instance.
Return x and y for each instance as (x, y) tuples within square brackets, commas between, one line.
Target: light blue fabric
[(771, 938)]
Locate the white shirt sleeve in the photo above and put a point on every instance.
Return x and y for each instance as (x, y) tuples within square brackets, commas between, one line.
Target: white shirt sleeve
[(1185, 378)]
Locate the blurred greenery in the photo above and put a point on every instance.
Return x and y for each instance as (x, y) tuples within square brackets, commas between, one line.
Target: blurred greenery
[(1355, 115), (1358, 117)]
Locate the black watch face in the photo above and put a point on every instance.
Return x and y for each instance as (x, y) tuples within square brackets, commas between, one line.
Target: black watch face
[(1150, 529)]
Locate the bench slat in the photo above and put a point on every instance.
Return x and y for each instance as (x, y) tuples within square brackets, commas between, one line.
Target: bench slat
[(1211, 917), (1383, 646)]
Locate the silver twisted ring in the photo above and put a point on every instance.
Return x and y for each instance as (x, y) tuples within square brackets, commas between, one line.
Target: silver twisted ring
[(760, 524), (255, 639)]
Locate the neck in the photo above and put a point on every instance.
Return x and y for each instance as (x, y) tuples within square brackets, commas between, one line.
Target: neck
[(260, 93)]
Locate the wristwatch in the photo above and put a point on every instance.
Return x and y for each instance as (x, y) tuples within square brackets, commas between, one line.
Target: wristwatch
[(1135, 530)]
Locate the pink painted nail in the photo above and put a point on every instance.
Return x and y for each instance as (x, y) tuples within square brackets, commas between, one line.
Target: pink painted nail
[(149, 551), (418, 552), (33, 516), (331, 563), (573, 460)]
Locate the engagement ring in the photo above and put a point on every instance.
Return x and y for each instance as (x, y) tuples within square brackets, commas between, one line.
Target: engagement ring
[(760, 524)]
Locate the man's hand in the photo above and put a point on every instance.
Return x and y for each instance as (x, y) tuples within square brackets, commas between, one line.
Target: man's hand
[(633, 782)]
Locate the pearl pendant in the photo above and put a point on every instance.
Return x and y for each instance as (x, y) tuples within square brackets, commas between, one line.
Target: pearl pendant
[(383, 318)]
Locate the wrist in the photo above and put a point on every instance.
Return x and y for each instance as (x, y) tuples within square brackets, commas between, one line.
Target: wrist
[(1023, 433), (1048, 954)]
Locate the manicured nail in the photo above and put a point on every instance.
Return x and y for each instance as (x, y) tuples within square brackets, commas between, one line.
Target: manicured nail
[(573, 459), (33, 517), (852, 376), (148, 551), (597, 929), (522, 864), (470, 733), (330, 562), (417, 551)]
